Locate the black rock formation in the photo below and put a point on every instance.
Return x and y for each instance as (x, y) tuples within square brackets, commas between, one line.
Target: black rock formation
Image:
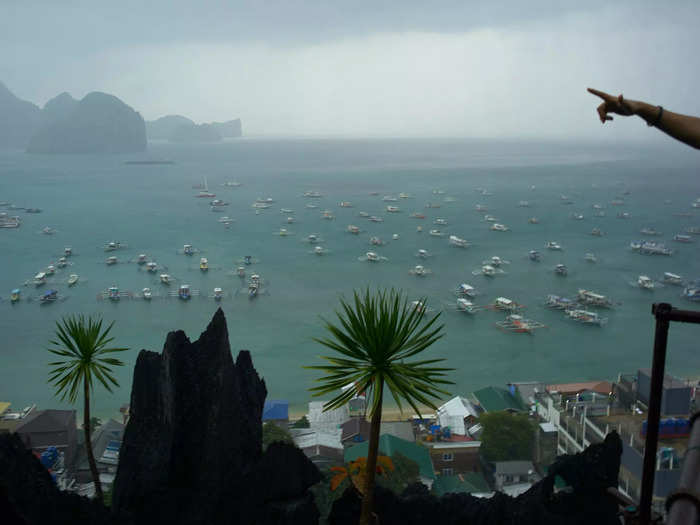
[(99, 123), (589, 474), (19, 120), (28, 495), (192, 449)]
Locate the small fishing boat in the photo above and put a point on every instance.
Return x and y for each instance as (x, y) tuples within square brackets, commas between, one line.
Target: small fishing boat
[(49, 296), (291, 220), (623, 215), (419, 229), (39, 279), (327, 215), (506, 305), (481, 208), (459, 242), (695, 230), (497, 227), (466, 290), (524, 204), (217, 203), (363, 214), (73, 279), (597, 207), (376, 241), (231, 184), (165, 278), (418, 306), (487, 271), (187, 249), (490, 218), (577, 216), (372, 257), (152, 266), (466, 306), (50, 269), (561, 269), (67, 251), (593, 299), (113, 293), (533, 220), (389, 198), (311, 206), (590, 257), (142, 259), (649, 231), (218, 294), (374, 218), (312, 195), (417, 215), (216, 209), (184, 292), (420, 271), (312, 238), (147, 294), (112, 246), (203, 264), (253, 287), (518, 324), (393, 209), (558, 303), (257, 206), (395, 236), (440, 221), (596, 232), (346, 204), (436, 233), (682, 238), (534, 255), (404, 196), (320, 250), (586, 317), (422, 253), (692, 291), (111, 260), (62, 262), (47, 230), (353, 229), (264, 200), (645, 283), (287, 211), (433, 205), (240, 271), (672, 278), (496, 261), (15, 295), (552, 245)]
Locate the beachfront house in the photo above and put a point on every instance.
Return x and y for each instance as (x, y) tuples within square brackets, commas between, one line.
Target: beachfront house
[(454, 457), (458, 414)]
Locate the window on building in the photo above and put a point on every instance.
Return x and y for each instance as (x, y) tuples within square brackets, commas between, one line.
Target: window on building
[(448, 472), (448, 456)]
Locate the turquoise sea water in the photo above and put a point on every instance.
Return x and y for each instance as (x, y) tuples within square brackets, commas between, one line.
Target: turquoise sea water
[(93, 200)]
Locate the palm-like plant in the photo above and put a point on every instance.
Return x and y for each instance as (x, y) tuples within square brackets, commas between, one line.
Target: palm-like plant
[(376, 335), (83, 346)]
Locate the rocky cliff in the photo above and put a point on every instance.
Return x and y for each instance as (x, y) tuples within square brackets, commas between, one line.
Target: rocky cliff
[(195, 133), (164, 127), (19, 120), (99, 123), (176, 128)]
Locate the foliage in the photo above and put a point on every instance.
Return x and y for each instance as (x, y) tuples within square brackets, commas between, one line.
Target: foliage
[(406, 471), (272, 433), (95, 423), (375, 336), (356, 471), (83, 347), (506, 436), (302, 423)]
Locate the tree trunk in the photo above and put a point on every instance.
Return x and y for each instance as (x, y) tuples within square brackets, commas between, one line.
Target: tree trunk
[(366, 515), (88, 445)]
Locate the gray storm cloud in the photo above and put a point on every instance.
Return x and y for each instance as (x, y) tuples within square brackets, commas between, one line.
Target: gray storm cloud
[(376, 70)]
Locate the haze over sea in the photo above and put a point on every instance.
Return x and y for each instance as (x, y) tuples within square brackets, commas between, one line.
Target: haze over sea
[(91, 200)]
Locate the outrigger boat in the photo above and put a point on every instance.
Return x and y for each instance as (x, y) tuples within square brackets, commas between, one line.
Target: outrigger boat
[(481, 208), (147, 294), (49, 296), (596, 232), (420, 271), (113, 294), (363, 214), (649, 231), (672, 278), (73, 279), (463, 305), (111, 260), (518, 324), (487, 271), (466, 290), (561, 269), (165, 278), (534, 255), (695, 230), (218, 294), (15, 295), (552, 245), (67, 251), (283, 232), (62, 262), (459, 242), (203, 264), (692, 291), (645, 283), (372, 257), (247, 260), (496, 261), (312, 194), (152, 267), (586, 317), (346, 204), (142, 259), (497, 227), (533, 220), (353, 229), (682, 238), (389, 198), (436, 233), (320, 250), (376, 241), (327, 215), (50, 269), (393, 209), (590, 257), (440, 221), (490, 218), (374, 218), (417, 215), (312, 238), (594, 299), (39, 279), (423, 254), (240, 271), (650, 248), (111, 246), (46, 231), (559, 303), (505, 304)]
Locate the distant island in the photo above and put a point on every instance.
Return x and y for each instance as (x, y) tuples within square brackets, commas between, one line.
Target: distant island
[(99, 123), (176, 128)]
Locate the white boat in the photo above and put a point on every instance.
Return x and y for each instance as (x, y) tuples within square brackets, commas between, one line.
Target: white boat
[(231, 184), (205, 193), (419, 271), (692, 291), (62, 262), (533, 220), (50, 269), (73, 279), (260, 206), (225, 219), (586, 317), (152, 266), (466, 290), (374, 218), (505, 304), (434, 205), (552, 245), (481, 208), (372, 256), (203, 264), (266, 200), (650, 248), (524, 204), (590, 257), (645, 283), (440, 221), (496, 261), (417, 215), (490, 218), (39, 279), (353, 229), (147, 294), (187, 249), (312, 238), (218, 294), (312, 194), (376, 241), (559, 303), (459, 242), (346, 204), (404, 196), (111, 246), (682, 238), (240, 271), (466, 306), (436, 233), (67, 251), (46, 231), (395, 236), (283, 232), (419, 229), (142, 258), (623, 215), (577, 216), (217, 203), (672, 278), (419, 306), (363, 214), (499, 227), (649, 231), (561, 269), (488, 271), (389, 198), (327, 215), (596, 232), (518, 324), (393, 209), (291, 220), (311, 206), (593, 299), (320, 250), (422, 253), (111, 260), (165, 278), (287, 211), (534, 255)]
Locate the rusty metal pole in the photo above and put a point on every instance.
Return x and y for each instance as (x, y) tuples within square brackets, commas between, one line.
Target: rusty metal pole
[(661, 312)]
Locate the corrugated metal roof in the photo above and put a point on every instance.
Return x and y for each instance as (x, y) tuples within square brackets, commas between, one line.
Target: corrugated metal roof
[(389, 445), (461, 483), (275, 409), (494, 399)]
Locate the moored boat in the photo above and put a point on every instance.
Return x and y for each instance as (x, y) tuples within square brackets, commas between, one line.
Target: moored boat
[(672, 278), (419, 271), (561, 269), (15, 295), (111, 260), (645, 283), (518, 324), (39, 279), (558, 303), (692, 291), (353, 229), (459, 242), (590, 257), (586, 317), (147, 294), (49, 296), (497, 227), (682, 238), (73, 279), (534, 255), (466, 290), (184, 292), (165, 278), (552, 245), (466, 306), (593, 299), (203, 264)]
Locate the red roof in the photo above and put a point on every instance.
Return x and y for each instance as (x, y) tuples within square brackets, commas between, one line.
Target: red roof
[(599, 387)]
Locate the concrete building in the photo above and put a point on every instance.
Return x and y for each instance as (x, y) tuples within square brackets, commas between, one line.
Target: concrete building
[(459, 414), (676, 393), (514, 477), (451, 458), (329, 420), (45, 428)]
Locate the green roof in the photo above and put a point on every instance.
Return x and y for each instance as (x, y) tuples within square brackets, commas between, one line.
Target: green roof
[(494, 399), (467, 483), (389, 445)]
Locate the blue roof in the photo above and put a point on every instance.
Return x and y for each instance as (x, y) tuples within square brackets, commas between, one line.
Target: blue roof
[(275, 409), (16, 290)]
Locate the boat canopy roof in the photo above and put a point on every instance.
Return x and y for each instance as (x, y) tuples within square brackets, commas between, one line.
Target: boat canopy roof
[(16, 290), (503, 300), (40, 275)]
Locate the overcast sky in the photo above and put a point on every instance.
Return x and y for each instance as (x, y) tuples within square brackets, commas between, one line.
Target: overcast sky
[(362, 68)]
